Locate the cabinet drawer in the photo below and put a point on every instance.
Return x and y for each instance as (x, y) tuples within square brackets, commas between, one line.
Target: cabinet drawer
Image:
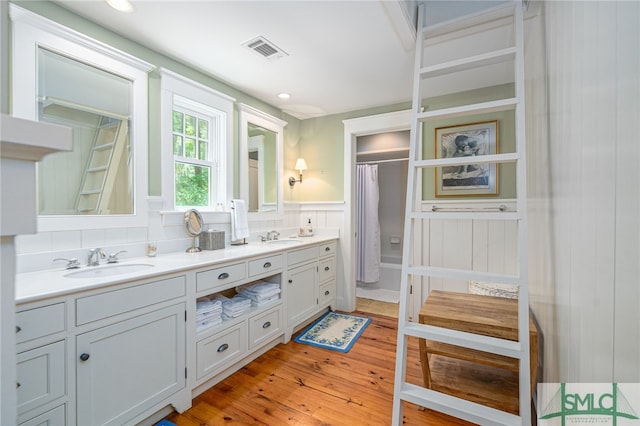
[(220, 277), (39, 322), (265, 326), (93, 308), (54, 417), (265, 264), (220, 350), (302, 255), (327, 293), (40, 376), (326, 269), (327, 249)]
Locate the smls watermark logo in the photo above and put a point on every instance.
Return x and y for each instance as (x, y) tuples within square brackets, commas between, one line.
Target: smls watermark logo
[(616, 404)]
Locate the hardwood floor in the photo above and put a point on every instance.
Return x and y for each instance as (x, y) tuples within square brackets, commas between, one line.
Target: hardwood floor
[(297, 384)]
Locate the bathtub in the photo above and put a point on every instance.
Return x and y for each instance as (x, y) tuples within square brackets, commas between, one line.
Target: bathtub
[(387, 289)]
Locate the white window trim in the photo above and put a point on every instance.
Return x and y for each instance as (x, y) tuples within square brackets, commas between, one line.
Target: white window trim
[(173, 84)]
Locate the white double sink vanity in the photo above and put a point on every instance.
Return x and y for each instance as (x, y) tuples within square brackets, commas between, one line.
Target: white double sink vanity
[(118, 343)]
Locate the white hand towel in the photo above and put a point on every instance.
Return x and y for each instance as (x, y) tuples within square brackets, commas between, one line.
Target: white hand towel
[(239, 222)]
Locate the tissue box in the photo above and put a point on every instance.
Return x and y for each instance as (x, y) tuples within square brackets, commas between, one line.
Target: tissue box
[(211, 240)]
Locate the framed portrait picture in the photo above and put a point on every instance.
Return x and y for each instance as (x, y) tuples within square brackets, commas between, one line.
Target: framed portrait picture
[(467, 140)]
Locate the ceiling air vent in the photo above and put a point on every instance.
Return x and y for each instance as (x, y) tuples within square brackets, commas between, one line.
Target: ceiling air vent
[(265, 48)]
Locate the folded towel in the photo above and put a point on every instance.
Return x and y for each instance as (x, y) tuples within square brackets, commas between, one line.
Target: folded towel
[(239, 222)]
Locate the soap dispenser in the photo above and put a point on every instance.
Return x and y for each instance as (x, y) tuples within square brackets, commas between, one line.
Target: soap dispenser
[(309, 228)]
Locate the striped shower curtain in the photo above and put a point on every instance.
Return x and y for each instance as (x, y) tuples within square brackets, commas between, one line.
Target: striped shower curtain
[(367, 224)]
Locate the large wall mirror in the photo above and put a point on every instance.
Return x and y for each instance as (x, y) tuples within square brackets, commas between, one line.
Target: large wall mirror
[(65, 78), (260, 152)]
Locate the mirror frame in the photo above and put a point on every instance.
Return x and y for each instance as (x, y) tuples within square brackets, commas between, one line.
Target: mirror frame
[(31, 31), (249, 115)]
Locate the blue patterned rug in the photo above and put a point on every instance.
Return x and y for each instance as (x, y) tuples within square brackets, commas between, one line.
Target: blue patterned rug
[(334, 331)]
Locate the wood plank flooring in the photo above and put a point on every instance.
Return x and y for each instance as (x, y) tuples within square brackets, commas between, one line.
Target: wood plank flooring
[(297, 384)]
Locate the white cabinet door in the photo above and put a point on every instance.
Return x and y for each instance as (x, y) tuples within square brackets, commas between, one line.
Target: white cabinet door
[(302, 293), (125, 368), (41, 376)]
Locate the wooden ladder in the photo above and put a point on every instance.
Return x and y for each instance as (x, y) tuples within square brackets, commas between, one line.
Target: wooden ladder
[(510, 14), (102, 166)]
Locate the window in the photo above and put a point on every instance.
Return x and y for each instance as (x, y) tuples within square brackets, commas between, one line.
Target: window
[(195, 140)]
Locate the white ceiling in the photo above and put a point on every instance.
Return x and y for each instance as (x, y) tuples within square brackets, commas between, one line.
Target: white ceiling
[(343, 55)]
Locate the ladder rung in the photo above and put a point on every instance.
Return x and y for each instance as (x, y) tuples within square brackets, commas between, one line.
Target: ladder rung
[(444, 215), (465, 275), (103, 146), (97, 169), (91, 192), (461, 161), (472, 62), (457, 407), (465, 110), (468, 21), (494, 345)]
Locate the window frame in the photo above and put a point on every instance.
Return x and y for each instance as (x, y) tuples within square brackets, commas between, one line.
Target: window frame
[(190, 95)]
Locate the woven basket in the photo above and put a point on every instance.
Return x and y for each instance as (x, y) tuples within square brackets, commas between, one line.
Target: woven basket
[(492, 289)]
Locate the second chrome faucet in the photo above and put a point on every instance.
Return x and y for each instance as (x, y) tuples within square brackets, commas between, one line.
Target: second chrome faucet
[(95, 255)]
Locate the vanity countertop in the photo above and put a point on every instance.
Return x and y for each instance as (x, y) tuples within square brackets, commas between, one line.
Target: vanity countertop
[(39, 285)]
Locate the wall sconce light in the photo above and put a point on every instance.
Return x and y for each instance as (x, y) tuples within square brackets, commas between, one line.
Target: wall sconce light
[(300, 166)]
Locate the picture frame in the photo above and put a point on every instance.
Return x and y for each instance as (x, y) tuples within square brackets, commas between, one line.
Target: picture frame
[(473, 139)]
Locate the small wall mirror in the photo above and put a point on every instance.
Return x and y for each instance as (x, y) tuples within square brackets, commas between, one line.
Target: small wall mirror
[(261, 170)]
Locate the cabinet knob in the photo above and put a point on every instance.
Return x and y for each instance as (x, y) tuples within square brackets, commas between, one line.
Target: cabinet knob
[(18, 385), (84, 356), (223, 347), (18, 329), (266, 324), (267, 265), (327, 249), (290, 281), (326, 268), (326, 292), (223, 276)]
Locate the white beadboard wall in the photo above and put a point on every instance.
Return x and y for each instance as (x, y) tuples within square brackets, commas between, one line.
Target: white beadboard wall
[(477, 245), (583, 171)]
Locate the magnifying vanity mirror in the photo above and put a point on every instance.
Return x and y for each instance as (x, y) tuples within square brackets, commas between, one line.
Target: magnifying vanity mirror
[(193, 225), (261, 137)]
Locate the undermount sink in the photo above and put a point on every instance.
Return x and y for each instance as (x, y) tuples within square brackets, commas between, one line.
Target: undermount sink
[(283, 242), (108, 270)]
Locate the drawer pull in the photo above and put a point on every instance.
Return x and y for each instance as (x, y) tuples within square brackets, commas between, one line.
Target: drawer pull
[(18, 329), (267, 265), (223, 347), (266, 324), (327, 249), (326, 268), (290, 281), (223, 276), (327, 292), (84, 356), (18, 385)]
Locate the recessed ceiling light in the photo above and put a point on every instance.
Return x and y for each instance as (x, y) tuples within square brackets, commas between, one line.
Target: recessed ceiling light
[(121, 5), (284, 95)]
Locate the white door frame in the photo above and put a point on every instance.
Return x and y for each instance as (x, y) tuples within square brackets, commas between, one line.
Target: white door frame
[(370, 125)]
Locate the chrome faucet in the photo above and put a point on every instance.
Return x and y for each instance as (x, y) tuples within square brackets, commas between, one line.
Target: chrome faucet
[(269, 236), (94, 256), (273, 235)]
